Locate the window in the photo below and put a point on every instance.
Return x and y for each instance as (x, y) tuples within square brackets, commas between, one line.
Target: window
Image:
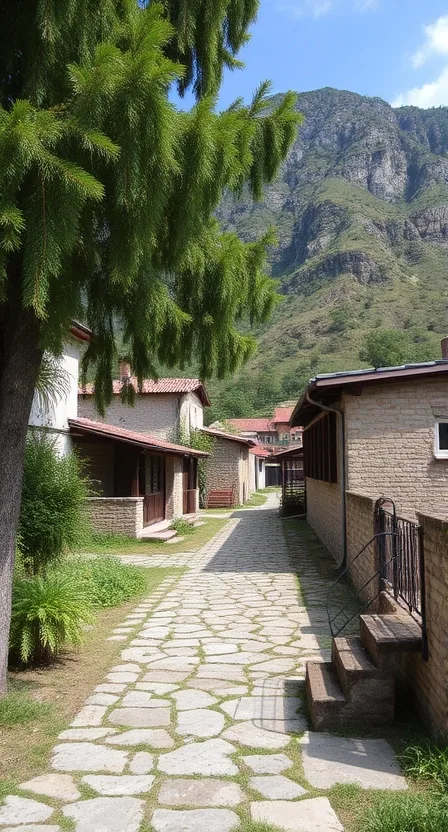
[(320, 449), (441, 440), (260, 465)]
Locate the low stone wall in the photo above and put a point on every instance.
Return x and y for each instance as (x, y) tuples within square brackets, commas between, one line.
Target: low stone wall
[(429, 679), (119, 515), (360, 529)]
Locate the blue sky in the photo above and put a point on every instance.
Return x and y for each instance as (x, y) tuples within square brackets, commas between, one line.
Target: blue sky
[(395, 49)]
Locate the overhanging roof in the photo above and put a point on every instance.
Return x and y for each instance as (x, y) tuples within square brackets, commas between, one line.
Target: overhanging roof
[(231, 437), (327, 388), (178, 386), (142, 440)]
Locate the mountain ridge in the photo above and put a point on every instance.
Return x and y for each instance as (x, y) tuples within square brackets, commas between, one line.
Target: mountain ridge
[(361, 208)]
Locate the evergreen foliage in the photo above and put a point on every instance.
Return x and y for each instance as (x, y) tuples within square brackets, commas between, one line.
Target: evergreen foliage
[(52, 515), (391, 348), (108, 191)]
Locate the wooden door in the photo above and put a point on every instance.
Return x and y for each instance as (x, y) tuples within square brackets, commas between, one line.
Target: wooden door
[(189, 486), (154, 501)]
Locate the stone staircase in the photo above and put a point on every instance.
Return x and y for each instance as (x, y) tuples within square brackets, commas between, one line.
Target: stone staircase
[(358, 685)]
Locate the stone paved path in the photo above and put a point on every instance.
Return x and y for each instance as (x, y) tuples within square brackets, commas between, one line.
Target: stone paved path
[(197, 725)]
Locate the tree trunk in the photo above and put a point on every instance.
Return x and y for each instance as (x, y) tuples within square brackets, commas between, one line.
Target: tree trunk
[(20, 357)]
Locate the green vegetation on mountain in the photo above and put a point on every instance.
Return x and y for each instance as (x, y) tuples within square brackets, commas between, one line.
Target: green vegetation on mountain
[(361, 208)]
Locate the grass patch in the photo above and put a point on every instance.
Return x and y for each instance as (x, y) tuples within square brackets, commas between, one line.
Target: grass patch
[(18, 708), (52, 696), (405, 813), (427, 762), (117, 544), (106, 581)]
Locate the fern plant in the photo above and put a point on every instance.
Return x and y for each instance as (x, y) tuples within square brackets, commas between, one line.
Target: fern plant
[(48, 613)]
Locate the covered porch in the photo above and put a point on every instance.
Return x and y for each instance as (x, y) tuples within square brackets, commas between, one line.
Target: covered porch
[(137, 480)]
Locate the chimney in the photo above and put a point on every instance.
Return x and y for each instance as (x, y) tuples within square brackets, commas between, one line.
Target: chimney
[(444, 343), (125, 370)]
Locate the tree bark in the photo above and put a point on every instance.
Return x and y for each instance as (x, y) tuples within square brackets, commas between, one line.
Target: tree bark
[(20, 356)]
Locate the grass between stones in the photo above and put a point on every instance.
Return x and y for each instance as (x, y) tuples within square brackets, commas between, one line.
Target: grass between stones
[(122, 545), (43, 701)]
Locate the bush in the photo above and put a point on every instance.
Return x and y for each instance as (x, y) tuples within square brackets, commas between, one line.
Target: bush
[(181, 526), (106, 581), (406, 813), (48, 612), (52, 514), (429, 762)]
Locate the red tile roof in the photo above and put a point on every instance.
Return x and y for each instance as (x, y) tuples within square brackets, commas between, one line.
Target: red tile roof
[(163, 385), (260, 451), (282, 414), (144, 440), (258, 425), (232, 437)]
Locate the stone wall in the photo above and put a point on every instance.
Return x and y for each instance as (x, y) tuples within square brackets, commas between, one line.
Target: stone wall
[(360, 529), (390, 431), (429, 679), (156, 414), (224, 468), (119, 515), (324, 514)]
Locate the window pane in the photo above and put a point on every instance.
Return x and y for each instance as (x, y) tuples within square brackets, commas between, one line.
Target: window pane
[(443, 436)]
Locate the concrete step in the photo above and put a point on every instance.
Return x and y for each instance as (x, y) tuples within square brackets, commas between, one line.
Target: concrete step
[(164, 535), (175, 539), (351, 662), (325, 696), (385, 635)]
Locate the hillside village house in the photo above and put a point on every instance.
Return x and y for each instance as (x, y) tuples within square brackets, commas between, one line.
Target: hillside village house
[(377, 432), (270, 432), (260, 457), (230, 469), (167, 408), (139, 479), (369, 435)]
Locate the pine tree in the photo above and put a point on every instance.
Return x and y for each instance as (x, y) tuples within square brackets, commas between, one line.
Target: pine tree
[(107, 196)]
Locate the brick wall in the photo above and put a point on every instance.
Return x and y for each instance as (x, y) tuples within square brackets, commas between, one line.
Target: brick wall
[(430, 679), (324, 514), (156, 414), (360, 529), (120, 515), (225, 470), (390, 444)]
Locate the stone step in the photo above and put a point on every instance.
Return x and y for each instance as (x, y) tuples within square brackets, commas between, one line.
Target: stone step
[(351, 662), (164, 535), (325, 696), (385, 635)]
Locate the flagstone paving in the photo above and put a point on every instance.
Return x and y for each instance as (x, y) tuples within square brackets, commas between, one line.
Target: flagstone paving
[(202, 723)]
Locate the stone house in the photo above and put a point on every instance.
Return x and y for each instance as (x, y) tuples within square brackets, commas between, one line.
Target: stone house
[(375, 432), (139, 479), (230, 469), (168, 408), (371, 435), (270, 432)]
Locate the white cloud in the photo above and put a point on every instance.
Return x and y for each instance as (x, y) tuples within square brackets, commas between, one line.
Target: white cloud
[(434, 94), (435, 43), (320, 8)]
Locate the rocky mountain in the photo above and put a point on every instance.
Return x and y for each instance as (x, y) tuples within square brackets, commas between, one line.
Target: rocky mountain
[(361, 208)]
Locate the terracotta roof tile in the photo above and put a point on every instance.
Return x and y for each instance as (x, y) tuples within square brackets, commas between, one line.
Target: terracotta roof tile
[(132, 437), (257, 425), (282, 414), (231, 436), (162, 385)]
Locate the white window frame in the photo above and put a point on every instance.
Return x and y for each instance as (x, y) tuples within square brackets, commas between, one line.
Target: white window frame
[(439, 453)]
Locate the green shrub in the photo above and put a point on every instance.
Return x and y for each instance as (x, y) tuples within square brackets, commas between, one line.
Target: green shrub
[(181, 526), (52, 514), (106, 581), (48, 612), (429, 762), (405, 813)]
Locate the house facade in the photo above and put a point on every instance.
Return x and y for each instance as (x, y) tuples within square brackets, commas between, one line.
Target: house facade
[(259, 458), (270, 432), (53, 417), (374, 432), (138, 479), (230, 469), (168, 408)]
